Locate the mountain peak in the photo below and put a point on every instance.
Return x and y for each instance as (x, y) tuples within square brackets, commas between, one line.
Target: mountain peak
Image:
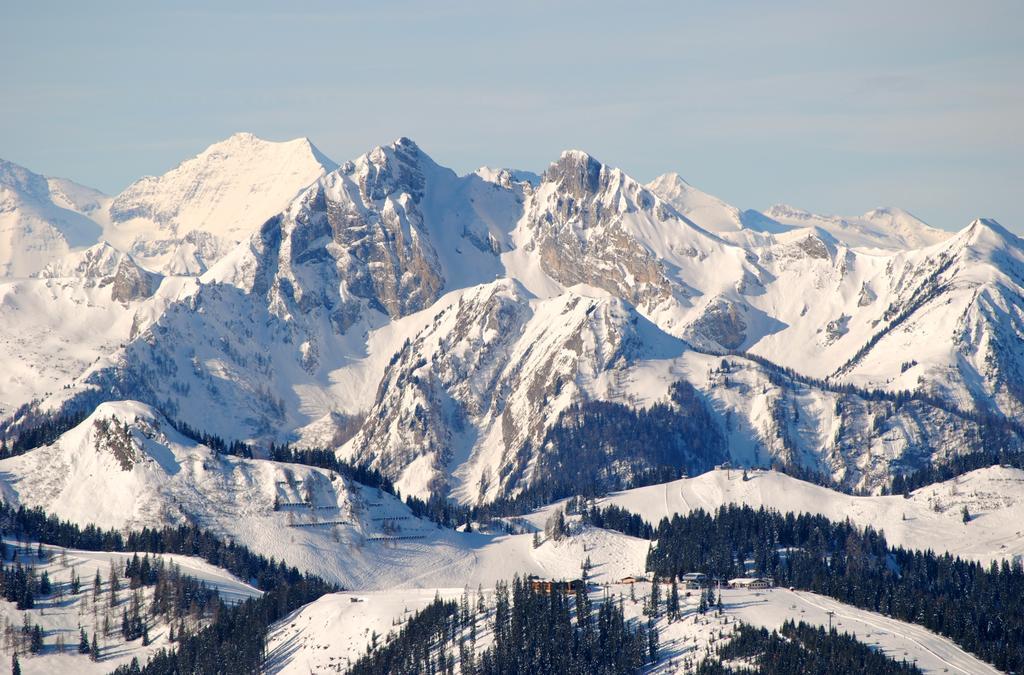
[(576, 171), (246, 141), (25, 181), (223, 194), (668, 181), (987, 231), (400, 166)]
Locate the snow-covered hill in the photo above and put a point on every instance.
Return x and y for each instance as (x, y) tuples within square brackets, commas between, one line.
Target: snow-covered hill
[(930, 519), (64, 613), (151, 475), (333, 632)]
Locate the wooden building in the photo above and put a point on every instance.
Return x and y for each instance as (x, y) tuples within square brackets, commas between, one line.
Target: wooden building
[(549, 586)]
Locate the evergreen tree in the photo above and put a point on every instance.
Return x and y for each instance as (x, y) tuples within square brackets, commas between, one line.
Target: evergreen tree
[(655, 600), (94, 650), (83, 642), (673, 601), (36, 641), (115, 585), (15, 665)]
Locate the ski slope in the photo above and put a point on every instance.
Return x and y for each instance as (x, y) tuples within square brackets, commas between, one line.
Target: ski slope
[(334, 631), (897, 639)]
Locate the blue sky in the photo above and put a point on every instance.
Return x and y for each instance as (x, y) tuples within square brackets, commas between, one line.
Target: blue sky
[(836, 107)]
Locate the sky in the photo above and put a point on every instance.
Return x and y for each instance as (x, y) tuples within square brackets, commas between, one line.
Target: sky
[(836, 107)]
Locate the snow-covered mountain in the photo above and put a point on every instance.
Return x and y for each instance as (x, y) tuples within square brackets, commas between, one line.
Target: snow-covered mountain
[(887, 229), (437, 326), (179, 223), (41, 219), (186, 219), (467, 401), (709, 211)]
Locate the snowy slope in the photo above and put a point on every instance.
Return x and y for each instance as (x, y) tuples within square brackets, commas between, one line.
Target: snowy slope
[(930, 519), (83, 307), (897, 639), (890, 229), (78, 198), (464, 398), (333, 632), (38, 224), (150, 475), (61, 616), (709, 211)]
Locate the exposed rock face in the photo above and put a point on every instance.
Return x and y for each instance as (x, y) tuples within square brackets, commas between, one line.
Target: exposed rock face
[(582, 222), (131, 282), (722, 323), (113, 437), (388, 257), (837, 328)]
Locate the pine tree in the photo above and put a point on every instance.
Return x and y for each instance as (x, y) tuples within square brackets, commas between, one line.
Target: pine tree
[(15, 666), (673, 601), (94, 650), (83, 642), (115, 585), (655, 599), (652, 644), (36, 641), (966, 514)]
